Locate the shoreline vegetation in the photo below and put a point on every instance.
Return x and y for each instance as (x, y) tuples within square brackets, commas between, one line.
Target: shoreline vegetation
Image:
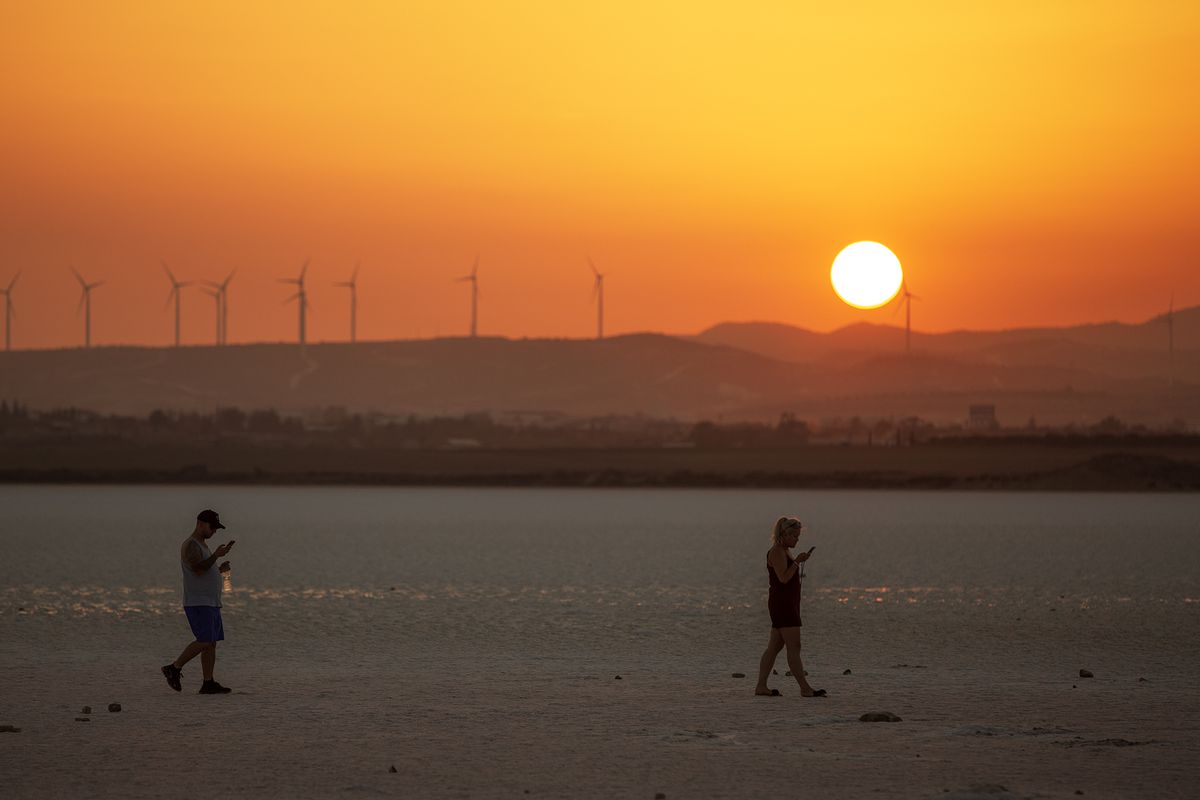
[(336, 447), (931, 466)]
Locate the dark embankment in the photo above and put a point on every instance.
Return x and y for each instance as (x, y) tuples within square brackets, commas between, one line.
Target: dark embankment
[(929, 466)]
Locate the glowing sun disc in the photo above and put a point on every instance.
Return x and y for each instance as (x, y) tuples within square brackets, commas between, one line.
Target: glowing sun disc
[(866, 275)]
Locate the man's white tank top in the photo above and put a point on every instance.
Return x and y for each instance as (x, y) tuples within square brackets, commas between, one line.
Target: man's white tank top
[(201, 590)]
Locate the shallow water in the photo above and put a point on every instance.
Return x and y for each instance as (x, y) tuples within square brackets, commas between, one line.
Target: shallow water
[(469, 635)]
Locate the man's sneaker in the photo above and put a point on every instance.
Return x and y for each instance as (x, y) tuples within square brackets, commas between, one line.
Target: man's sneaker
[(173, 674), (212, 687)]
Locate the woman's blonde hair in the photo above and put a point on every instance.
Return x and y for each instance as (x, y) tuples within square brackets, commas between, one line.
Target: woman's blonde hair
[(782, 526)]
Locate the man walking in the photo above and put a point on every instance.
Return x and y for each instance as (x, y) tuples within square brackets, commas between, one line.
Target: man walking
[(201, 602)]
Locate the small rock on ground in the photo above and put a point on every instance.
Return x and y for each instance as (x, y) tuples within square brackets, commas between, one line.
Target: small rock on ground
[(879, 716), (392, 768), (739, 674), (847, 672), (1086, 673), (114, 707), (9, 729), (82, 719), (659, 796), (86, 710)]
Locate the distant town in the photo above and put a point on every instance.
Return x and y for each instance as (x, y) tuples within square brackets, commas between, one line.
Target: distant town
[(544, 429), (513, 448)]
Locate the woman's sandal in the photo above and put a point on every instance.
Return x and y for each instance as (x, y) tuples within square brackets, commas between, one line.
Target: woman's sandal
[(817, 693)]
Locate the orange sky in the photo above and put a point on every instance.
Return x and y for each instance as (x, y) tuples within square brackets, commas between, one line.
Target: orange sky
[(1034, 166)]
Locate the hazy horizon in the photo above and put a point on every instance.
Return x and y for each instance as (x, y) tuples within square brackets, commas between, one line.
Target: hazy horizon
[(891, 323)]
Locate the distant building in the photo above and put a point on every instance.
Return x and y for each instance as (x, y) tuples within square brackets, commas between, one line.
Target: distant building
[(982, 418)]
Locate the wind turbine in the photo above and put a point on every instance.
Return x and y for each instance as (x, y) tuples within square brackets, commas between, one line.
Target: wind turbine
[(906, 298), (8, 310), (222, 307), (301, 296), (598, 293), (474, 279), (352, 285), (175, 293), (85, 302)]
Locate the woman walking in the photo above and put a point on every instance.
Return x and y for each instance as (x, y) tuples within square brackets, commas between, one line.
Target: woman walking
[(783, 603)]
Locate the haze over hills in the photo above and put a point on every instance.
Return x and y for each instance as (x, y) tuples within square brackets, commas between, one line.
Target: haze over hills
[(732, 371), (1129, 349)]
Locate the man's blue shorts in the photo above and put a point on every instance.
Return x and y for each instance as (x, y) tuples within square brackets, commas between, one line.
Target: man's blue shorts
[(205, 622)]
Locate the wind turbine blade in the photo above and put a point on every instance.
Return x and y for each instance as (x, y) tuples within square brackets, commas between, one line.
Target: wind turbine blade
[(303, 270), (290, 299), (170, 295), (592, 264), (79, 277), (95, 285), (225, 282), (13, 282), (82, 298), (475, 267), (170, 275), (354, 276)]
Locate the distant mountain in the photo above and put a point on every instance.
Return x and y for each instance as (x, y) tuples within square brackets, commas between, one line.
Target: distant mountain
[(733, 371), (1113, 349), (649, 374)]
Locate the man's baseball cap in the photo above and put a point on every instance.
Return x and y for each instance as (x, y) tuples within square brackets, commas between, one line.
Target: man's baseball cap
[(211, 517)]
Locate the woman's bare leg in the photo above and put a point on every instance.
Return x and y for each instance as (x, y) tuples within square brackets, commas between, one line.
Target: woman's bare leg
[(791, 640), (774, 645)]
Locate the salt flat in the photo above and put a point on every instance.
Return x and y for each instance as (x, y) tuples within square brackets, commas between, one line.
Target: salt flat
[(472, 639)]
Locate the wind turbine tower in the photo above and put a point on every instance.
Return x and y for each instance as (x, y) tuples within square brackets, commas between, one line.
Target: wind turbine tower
[(85, 302), (215, 294), (474, 279), (906, 297), (175, 293), (352, 285), (598, 293), (301, 297), (222, 307), (8, 311)]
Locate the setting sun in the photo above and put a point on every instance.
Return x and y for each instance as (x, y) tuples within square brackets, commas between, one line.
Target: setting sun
[(866, 275)]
